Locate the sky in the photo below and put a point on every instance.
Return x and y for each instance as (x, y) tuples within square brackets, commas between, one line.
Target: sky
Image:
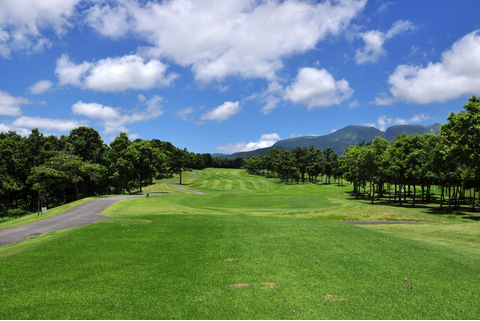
[(224, 76)]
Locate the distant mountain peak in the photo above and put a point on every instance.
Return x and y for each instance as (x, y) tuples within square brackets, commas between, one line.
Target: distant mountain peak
[(341, 138)]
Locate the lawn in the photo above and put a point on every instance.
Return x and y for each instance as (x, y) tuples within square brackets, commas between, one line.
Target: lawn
[(249, 249)]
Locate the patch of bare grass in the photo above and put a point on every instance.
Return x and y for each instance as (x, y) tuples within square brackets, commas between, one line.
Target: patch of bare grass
[(331, 297), (266, 285)]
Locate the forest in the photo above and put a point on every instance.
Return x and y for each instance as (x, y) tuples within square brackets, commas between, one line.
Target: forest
[(60, 170), (449, 161)]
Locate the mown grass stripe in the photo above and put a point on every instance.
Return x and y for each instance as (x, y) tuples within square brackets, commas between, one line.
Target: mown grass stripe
[(243, 186)]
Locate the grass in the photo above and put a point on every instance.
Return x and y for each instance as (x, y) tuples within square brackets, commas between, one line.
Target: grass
[(246, 251)]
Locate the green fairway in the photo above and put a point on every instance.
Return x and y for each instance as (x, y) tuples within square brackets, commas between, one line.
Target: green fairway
[(249, 249)]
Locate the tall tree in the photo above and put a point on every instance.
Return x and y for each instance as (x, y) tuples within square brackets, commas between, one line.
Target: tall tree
[(178, 161), (145, 159)]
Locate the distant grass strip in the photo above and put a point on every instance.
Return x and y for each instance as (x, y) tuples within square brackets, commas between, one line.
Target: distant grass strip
[(236, 267)]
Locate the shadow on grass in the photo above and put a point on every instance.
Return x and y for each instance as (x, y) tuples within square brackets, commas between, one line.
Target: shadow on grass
[(428, 207)]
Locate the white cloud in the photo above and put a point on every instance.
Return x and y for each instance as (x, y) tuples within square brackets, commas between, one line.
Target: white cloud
[(41, 87), (457, 74), (218, 38), (222, 112), (114, 119), (69, 73), (114, 74), (375, 39), (111, 22), (317, 88), (23, 22), (353, 104), (9, 105), (271, 97), (61, 125), (384, 121), (5, 128), (384, 6), (266, 140), (184, 112)]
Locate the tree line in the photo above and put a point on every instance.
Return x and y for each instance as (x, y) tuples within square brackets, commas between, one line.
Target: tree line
[(449, 161), (80, 165)]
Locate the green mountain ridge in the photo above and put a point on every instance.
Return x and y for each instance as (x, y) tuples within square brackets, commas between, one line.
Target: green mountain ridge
[(341, 139)]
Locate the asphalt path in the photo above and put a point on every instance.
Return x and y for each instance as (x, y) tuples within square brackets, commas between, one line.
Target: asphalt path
[(84, 214), (182, 188)]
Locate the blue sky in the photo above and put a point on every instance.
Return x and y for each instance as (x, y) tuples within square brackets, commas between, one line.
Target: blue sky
[(228, 76)]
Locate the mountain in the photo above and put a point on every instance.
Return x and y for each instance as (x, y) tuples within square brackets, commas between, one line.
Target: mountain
[(220, 155), (338, 140), (252, 153), (341, 139), (392, 132)]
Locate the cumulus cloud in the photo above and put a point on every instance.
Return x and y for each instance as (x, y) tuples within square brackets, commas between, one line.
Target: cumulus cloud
[(109, 21), (115, 119), (5, 128), (317, 88), (375, 39), (384, 121), (41, 87), (23, 25), (222, 112), (266, 140), (457, 74), (270, 97), (218, 38), (114, 74), (184, 113), (9, 105), (61, 125)]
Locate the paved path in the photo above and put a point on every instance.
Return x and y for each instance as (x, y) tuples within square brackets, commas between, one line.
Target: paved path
[(182, 188), (84, 214)]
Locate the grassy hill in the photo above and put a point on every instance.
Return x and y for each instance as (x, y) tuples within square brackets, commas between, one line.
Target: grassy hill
[(341, 139)]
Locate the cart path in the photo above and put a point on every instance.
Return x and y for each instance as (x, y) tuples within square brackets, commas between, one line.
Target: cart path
[(180, 187), (84, 214)]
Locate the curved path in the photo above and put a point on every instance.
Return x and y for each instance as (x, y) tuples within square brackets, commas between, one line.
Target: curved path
[(180, 187), (84, 214)]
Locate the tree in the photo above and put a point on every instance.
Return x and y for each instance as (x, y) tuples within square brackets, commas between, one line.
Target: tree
[(120, 169), (177, 162), (87, 143), (146, 160), (62, 169), (316, 164), (301, 156), (462, 139), (329, 157)]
